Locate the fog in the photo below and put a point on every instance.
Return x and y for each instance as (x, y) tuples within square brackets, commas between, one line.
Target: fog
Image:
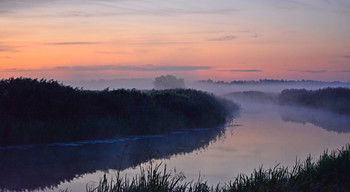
[(320, 118), (218, 89), (265, 133), (248, 96)]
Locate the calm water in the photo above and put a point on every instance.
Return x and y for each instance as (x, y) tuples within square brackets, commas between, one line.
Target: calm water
[(262, 135)]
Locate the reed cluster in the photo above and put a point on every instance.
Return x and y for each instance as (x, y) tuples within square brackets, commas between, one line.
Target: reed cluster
[(331, 172), (40, 111)]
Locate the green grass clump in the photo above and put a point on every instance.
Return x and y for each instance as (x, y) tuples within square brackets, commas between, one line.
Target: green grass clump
[(331, 172), (40, 111)]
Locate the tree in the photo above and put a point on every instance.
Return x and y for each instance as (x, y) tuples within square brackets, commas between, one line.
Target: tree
[(168, 82)]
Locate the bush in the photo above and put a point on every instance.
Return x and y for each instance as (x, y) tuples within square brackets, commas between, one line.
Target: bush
[(41, 111), (332, 99)]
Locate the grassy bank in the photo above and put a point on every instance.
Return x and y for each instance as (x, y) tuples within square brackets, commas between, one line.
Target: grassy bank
[(329, 173), (41, 111), (333, 99)]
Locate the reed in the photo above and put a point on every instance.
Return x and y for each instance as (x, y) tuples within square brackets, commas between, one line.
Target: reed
[(40, 111), (331, 172)]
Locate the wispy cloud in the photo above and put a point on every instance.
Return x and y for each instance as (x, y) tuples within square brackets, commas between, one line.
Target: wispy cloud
[(162, 68), (309, 71), (344, 71), (113, 68), (163, 43), (5, 48), (346, 56), (73, 43), (245, 71), (224, 38), (114, 8), (112, 52), (18, 70)]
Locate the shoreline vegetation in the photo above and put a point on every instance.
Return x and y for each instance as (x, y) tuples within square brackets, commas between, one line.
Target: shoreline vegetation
[(332, 99), (335, 100), (329, 173), (36, 111), (273, 81)]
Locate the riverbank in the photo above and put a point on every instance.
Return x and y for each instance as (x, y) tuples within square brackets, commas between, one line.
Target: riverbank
[(329, 173), (332, 99), (40, 111), (336, 100)]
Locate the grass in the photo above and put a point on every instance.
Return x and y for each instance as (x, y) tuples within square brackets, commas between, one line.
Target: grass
[(331, 172)]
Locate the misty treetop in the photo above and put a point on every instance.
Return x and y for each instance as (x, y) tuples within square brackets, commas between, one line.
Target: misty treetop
[(45, 111), (169, 82), (332, 99)]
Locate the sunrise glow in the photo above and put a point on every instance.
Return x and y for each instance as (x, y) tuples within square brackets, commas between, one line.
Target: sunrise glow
[(222, 40)]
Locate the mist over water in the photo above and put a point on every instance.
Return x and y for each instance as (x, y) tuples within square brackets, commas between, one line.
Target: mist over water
[(324, 119), (46, 166), (218, 89), (264, 134), (95, 46)]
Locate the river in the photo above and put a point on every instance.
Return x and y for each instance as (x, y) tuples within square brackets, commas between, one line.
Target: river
[(262, 135)]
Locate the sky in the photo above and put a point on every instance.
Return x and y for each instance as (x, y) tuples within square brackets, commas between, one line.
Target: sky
[(193, 39)]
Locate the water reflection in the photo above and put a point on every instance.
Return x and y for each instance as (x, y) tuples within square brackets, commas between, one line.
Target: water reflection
[(323, 119), (46, 166)]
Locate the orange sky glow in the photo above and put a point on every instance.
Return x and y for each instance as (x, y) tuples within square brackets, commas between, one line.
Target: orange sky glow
[(221, 40)]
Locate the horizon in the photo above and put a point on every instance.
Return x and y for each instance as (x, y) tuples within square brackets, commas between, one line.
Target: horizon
[(221, 40)]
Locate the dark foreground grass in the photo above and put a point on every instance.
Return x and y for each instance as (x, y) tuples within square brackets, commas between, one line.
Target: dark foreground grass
[(331, 172)]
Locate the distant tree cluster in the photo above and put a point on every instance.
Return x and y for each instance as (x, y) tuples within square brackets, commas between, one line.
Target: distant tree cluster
[(332, 99), (169, 82), (255, 96), (268, 81), (41, 111)]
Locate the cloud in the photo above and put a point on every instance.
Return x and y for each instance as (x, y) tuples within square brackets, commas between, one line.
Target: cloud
[(112, 52), (113, 8), (245, 71), (17, 70), (346, 56), (113, 68), (309, 71), (162, 68), (344, 71), (224, 38), (73, 43), (160, 43), (5, 48)]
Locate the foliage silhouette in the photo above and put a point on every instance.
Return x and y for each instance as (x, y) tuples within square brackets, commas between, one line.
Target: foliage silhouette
[(332, 99), (40, 111)]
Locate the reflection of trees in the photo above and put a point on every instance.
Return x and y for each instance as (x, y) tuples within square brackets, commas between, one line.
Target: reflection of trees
[(324, 119), (47, 166)]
